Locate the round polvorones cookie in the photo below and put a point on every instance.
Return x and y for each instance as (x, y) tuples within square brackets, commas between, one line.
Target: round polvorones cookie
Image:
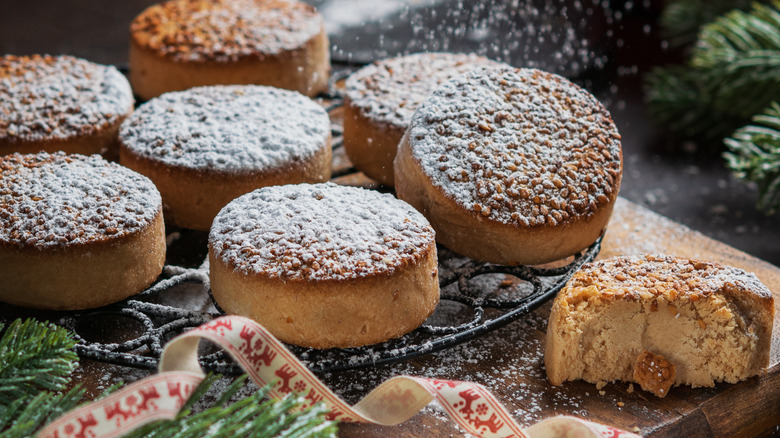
[(181, 44), (659, 321), (61, 103), (381, 98), (324, 265), (206, 146), (511, 166), (76, 232)]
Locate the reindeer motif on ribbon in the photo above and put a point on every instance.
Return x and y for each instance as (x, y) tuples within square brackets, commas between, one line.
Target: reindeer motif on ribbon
[(252, 350), (469, 404), (132, 409), (472, 415)]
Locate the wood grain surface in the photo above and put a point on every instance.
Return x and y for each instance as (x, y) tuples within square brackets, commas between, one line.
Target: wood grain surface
[(749, 408)]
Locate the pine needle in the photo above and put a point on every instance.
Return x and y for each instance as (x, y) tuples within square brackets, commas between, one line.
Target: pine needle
[(23, 417), (37, 360), (682, 19), (34, 357), (677, 101), (734, 73), (743, 50), (251, 416), (755, 156)]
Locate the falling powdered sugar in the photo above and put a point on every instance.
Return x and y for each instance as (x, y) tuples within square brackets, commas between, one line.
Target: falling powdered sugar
[(518, 146), (58, 97), (231, 128), (57, 200), (319, 232)]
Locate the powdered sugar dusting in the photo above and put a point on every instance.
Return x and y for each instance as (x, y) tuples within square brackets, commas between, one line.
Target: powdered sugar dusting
[(675, 278), (391, 90), (47, 97), (319, 232), (223, 30), (228, 127), (516, 375), (518, 146), (54, 200)]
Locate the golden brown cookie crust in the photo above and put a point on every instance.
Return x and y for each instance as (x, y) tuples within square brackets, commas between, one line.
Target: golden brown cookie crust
[(61, 103), (380, 99), (713, 323), (76, 232), (181, 44), (330, 266), (511, 166)]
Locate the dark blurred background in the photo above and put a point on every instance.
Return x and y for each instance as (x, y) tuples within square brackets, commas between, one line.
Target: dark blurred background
[(605, 46)]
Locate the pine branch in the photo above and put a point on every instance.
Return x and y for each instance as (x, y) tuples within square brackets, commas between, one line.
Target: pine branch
[(34, 357), (37, 359), (682, 19), (755, 156), (679, 100), (735, 39), (248, 417), (744, 49), (734, 74), (25, 416)]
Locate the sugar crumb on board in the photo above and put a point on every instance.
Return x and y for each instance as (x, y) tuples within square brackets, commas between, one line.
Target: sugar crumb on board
[(515, 351)]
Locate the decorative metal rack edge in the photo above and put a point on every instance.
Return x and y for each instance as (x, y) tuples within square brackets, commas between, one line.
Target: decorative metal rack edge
[(162, 322), (425, 339)]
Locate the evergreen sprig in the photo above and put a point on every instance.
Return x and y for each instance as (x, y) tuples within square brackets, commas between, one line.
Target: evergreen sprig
[(34, 357), (682, 19), (36, 363), (22, 418), (744, 49), (678, 100), (248, 417), (755, 156), (732, 75)]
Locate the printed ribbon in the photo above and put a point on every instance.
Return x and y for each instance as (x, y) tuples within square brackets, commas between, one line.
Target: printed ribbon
[(266, 360)]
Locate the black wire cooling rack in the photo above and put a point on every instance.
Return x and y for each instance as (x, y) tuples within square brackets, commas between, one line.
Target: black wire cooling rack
[(476, 298), (468, 309)]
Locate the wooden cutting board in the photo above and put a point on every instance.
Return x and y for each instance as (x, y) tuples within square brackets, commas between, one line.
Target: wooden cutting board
[(509, 362)]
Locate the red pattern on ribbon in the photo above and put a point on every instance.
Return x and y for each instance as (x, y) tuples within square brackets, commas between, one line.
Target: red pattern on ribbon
[(252, 351), (85, 423), (154, 398), (471, 415), (125, 410), (473, 407), (265, 359), (611, 432), (180, 391), (286, 373), (219, 326)]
